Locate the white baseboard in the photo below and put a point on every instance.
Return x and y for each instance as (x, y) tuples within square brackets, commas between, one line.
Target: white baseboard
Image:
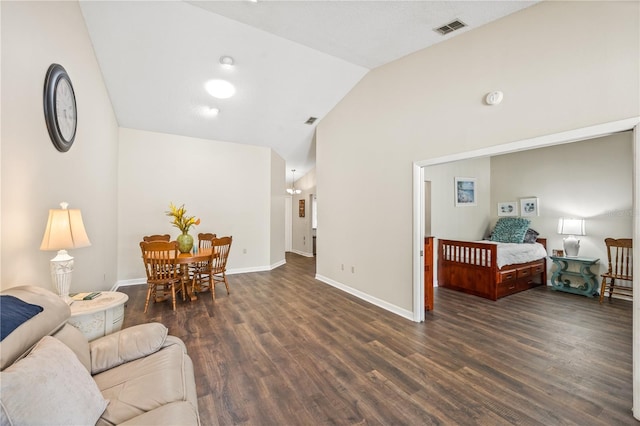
[(302, 253), (367, 298), (126, 283), (137, 281)]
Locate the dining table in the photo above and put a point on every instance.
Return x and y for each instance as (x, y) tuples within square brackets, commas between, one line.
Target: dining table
[(184, 260)]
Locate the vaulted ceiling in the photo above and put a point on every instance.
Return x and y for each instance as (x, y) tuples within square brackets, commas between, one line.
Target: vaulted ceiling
[(292, 60)]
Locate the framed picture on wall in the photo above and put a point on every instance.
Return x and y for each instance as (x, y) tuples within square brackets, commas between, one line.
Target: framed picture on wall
[(301, 208), (529, 207), (465, 191), (508, 208)]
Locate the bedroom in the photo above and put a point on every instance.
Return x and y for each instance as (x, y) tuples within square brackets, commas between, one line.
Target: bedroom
[(589, 179)]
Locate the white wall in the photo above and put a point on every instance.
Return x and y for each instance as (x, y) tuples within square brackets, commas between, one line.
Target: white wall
[(590, 179), (228, 186), (278, 195), (560, 67), (464, 222), (35, 176)]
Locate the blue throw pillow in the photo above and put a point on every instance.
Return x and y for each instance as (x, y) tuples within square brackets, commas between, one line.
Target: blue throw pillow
[(14, 312), (510, 230)]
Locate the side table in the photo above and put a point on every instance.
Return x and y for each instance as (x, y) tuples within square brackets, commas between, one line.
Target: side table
[(563, 276), (100, 316)]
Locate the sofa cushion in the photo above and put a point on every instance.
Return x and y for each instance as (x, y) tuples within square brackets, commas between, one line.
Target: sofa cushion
[(77, 342), (145, 384), (175, 413), (49, 387), (126, 345)]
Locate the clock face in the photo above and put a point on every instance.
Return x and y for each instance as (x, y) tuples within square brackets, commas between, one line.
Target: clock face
[(60, 111), (65, 110)]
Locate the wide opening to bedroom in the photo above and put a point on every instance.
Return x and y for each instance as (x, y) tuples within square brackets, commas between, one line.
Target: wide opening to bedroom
[(589, 180), (585, 174), (589, 173)]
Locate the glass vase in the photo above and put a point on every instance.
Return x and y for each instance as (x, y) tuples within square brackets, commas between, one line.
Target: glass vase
[(185, 242)]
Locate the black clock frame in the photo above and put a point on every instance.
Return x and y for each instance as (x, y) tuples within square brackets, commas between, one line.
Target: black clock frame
[(55, 73)]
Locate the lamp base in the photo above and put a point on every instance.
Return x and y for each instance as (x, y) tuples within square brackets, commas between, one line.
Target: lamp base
[(571, 246), (61, 271)]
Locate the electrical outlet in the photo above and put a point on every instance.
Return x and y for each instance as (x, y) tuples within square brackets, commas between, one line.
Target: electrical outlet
[(342, 267), (353, 269), (244, 251)]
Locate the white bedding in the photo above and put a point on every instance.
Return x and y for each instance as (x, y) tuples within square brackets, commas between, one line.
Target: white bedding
[(510, 253), (507, 254)]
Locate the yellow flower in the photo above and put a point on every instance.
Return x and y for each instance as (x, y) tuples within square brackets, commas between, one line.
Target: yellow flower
[(180, 220)]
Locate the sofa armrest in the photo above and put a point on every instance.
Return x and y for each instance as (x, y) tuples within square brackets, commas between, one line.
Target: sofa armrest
[(174, 340), (126, 345)]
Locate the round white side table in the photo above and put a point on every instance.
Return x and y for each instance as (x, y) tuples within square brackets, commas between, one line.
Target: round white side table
[(100, 316)]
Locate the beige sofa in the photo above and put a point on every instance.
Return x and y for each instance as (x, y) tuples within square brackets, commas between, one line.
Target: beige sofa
[(50, 374)]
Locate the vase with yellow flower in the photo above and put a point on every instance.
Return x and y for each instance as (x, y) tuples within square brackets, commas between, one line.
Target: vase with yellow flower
[(183, 223)]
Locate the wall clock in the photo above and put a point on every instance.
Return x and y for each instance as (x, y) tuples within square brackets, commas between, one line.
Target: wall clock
[(60, 111)]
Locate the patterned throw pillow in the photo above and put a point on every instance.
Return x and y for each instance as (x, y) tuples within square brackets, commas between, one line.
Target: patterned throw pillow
[(510, 230), (531, 236)]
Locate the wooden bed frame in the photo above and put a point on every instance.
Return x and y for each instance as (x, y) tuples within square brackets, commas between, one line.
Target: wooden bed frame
[(472, 268)]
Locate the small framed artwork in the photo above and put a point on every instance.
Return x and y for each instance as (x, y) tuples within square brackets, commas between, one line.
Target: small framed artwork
[(465, 191), (300, 208), (529, 207), (558, 253), (508, 208)]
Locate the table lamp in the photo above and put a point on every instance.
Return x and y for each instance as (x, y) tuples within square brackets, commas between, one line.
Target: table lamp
[(65, 230), (571, 227)]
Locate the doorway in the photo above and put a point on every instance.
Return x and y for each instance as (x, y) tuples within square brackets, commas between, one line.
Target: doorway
[(539, 142)]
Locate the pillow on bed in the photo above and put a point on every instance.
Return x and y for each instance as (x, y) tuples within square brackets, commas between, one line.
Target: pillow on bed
[(530, 236), (510, 230)]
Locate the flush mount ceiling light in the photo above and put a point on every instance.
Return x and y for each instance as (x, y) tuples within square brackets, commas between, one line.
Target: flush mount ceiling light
[(220, 89), (226, 62)]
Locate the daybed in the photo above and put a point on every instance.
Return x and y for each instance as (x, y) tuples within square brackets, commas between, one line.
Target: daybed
[(52, 375), (493, 269)]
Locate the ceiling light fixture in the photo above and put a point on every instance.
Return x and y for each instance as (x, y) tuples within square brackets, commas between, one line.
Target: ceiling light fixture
[(226, 62), (220, 89), (293, 189)]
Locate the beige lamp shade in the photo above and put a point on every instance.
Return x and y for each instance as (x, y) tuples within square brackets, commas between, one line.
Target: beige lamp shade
[(65, 230)]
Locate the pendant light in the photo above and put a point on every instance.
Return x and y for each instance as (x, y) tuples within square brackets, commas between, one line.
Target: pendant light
[(293, 189)]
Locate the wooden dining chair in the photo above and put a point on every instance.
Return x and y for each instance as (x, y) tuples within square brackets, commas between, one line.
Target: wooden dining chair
[(204, 239), (163, 274), (217, 272), (157, 237), (620, 257), (200, 270)]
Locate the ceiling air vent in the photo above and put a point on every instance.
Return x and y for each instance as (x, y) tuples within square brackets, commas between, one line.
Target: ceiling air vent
[(311, 120), (451, 27)]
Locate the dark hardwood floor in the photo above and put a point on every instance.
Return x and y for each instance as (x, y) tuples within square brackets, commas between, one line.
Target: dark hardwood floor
[(285, 349)]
